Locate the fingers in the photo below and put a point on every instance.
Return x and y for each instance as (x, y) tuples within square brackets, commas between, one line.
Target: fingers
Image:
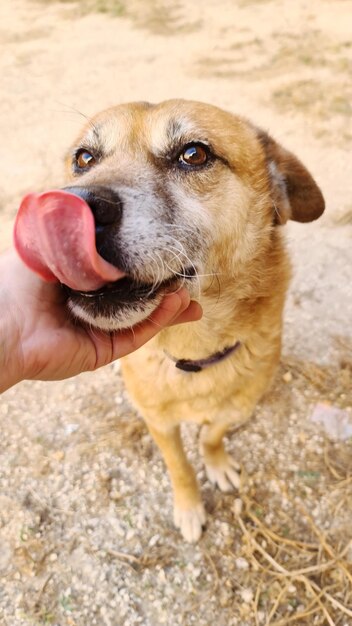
[(170, 308), (174, 309), (191, 314)]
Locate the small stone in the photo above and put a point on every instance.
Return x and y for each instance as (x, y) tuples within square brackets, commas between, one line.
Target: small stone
[(237, 507), (335, 421), (70, 429), (225, 528), (302, 437), (287, 377), (247, 595), (241, 563), (224, 597), (115, 495), (5, 555), (53, 557), (162, 576), (153, 540), (58, 455)]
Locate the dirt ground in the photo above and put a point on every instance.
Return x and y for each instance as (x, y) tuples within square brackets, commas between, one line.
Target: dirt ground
[(86, 536)]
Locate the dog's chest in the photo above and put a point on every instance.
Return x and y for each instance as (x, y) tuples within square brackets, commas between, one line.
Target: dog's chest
[(156, 386)]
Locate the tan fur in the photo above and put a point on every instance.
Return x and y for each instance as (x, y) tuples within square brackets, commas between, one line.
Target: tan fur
[(260, 185)]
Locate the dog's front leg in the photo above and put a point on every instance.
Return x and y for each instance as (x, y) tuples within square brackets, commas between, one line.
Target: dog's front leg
[(222, 470), (189, 514)]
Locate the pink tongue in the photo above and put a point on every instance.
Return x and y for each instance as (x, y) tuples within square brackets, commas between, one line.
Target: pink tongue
[(55, 236)]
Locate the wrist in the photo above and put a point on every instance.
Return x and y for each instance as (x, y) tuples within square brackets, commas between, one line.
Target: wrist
[(11, 361)]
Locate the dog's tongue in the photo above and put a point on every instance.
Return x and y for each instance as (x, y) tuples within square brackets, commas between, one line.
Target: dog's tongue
[(55, 236)]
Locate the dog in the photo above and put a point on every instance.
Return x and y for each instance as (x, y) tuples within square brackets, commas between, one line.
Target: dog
[(185, 193)]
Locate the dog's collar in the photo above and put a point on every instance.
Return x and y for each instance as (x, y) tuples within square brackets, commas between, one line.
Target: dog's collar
[(187, 365)]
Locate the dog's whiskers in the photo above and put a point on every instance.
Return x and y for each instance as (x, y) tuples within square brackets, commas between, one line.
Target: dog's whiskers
[(191, 264), (72, 109), (159, 280)]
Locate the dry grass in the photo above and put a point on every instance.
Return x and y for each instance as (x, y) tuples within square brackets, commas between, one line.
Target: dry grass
[(344, 217), (296, 580), (300, 573), (297, 573), (331, 383), (116, 8), (305, 74), (156, 16), (246, 3), (317, 99), (287, 53), (161, 18)]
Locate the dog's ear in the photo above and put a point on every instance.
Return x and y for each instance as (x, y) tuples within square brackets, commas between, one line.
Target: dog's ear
[(296, 195)]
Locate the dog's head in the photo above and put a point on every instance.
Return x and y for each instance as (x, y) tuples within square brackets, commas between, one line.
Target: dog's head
[(179, 190)]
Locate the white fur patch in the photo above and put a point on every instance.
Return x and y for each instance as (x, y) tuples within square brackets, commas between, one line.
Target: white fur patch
[(280, 196), (123, 318), (159, 139)]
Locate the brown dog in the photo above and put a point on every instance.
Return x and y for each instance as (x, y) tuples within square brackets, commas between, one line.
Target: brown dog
[(183, 192)]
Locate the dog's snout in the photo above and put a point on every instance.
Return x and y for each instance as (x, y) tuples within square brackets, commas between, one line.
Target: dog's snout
[(105, 204)]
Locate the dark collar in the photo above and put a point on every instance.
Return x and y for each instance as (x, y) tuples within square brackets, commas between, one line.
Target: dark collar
[(187, 365)]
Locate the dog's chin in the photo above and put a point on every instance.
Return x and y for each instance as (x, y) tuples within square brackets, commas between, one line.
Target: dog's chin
[(122, 304), (122, 317)]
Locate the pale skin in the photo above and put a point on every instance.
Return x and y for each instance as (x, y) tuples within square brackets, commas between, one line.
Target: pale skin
[(40, 341)]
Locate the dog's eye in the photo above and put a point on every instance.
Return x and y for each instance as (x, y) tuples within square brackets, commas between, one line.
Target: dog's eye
[(84, 159), (194, 154)]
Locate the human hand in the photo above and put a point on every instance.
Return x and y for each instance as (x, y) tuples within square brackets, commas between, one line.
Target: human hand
[(39, 340)]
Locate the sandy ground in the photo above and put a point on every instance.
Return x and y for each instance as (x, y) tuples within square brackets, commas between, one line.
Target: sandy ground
[(85, 508)]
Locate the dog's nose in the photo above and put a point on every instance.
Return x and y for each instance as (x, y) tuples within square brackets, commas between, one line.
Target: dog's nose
[(105, 204)]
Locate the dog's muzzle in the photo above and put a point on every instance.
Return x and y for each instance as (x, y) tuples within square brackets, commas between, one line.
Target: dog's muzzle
[(136, 291), (106, 206)]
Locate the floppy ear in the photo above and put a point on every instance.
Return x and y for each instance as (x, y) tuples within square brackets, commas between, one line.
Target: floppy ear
[(296, 195)]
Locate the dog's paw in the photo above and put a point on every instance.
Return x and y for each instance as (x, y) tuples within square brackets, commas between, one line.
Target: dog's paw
[(190, 521), (223, 472)]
